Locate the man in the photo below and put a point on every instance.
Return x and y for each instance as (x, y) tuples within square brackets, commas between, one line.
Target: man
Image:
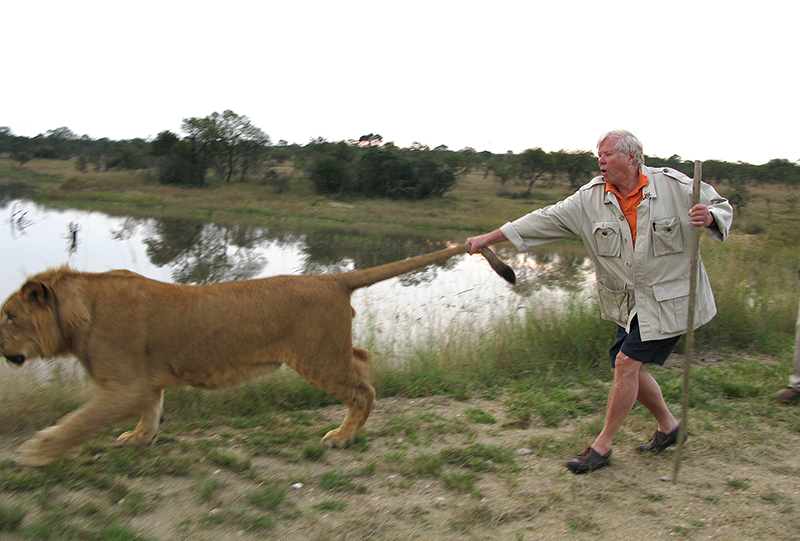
[(635, 222), (791, 393)]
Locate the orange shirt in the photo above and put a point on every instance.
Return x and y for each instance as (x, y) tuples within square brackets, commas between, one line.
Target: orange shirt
[(629, 204)]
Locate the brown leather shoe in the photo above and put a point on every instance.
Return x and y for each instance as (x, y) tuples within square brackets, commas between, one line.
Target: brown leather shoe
[(661, 441), (789, 395), (588, 460)]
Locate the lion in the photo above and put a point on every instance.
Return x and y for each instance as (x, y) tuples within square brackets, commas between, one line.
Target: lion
[(135, 336)]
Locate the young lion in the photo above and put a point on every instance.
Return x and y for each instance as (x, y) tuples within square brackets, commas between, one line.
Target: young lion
[(135, 337)]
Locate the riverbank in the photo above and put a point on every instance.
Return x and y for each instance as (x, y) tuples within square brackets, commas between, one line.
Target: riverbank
[(471, 207)]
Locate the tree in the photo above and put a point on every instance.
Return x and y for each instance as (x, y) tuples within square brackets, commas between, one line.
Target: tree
[(178, 161), (58, 144), (330, 175), (282, 152), (6, 137), (229, 138), (739, 197), (390, 172), (20, 156), (240, 142), (432, 179), (62, 133), (578, 165), (383, 173), (718, 171), (504, 166), (780, 171), (370, 140), (533, 163), (461, 162)]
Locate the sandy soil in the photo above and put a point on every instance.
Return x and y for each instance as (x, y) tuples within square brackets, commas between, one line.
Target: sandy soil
[(736, 492)]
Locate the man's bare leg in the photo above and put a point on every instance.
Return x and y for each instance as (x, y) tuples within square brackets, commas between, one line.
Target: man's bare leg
[(623, 395)]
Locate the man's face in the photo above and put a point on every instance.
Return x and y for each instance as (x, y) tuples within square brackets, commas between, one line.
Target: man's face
[(614, 166)]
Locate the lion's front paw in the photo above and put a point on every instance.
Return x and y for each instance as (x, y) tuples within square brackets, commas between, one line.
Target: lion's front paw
[(40, 450), (336, 439), (136, 436)]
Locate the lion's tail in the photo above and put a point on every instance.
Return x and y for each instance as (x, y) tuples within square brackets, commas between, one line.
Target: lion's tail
[(366, 277)]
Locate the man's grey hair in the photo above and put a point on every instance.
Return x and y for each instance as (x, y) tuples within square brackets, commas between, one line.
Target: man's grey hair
[(626, 143)]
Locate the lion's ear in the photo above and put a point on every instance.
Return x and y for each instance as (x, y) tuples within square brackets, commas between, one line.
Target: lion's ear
[(37, 293)]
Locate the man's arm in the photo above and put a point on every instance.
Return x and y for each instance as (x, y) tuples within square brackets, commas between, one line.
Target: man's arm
[(720, 210), (701, 216), (487, 239)]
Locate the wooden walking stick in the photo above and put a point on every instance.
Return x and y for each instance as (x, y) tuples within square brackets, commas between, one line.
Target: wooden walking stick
[(687, 361)]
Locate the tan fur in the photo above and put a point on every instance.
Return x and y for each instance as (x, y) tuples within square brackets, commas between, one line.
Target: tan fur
[(136, 336)]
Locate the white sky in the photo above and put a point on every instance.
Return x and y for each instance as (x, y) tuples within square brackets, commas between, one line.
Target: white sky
[(704, 79)]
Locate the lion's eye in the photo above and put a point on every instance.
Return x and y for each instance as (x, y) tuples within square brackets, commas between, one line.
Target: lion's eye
[(9, 318)]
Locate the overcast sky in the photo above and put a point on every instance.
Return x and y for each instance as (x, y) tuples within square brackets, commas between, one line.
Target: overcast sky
[(701, 79)]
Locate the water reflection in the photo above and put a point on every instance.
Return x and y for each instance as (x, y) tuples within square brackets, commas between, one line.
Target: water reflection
[(201, 253), (462, 290), (547, 270), (324, 253), (18, 221), (72, 237)]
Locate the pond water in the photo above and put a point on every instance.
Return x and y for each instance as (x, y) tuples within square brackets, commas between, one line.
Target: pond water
[(461, 293)]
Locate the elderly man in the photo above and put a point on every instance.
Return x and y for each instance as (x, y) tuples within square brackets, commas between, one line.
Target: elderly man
[(635, 222), (791, 393)]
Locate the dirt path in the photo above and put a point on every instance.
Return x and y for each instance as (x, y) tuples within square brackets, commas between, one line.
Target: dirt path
[(437, 468)]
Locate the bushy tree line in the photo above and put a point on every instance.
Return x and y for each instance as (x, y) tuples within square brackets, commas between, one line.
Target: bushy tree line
[(231, 147), (344, 169), (63, 144), (532, 165), (227, 143)]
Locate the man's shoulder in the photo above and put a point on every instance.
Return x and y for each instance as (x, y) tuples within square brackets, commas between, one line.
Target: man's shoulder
[(593, 184), (668, 172)]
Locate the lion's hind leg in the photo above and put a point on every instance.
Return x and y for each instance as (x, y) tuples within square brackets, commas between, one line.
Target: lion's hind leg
[(358, 394), (147, 428)]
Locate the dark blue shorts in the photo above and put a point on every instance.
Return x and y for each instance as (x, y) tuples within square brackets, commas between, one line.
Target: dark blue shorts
[(649, 352)]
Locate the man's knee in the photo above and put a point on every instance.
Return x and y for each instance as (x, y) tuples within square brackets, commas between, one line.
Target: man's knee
[(625, 365)]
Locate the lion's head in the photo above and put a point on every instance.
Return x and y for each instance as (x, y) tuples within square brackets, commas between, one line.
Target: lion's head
[(38, 320), (29, 327)]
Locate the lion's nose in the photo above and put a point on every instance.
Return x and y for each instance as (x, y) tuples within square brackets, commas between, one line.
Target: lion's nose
[(16, 359)]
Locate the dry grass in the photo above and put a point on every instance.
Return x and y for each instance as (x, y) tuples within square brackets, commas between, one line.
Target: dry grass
[(471, 207), (427, 468)]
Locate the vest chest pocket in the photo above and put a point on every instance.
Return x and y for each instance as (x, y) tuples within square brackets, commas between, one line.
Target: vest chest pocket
[(667, 236), (607, 239)]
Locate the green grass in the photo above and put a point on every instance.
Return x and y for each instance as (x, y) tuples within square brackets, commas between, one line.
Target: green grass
[(339, 482), (229, 460), (462, 481), (478, 457), (208, 488), (268, 496), (479, 416), (11, 517)]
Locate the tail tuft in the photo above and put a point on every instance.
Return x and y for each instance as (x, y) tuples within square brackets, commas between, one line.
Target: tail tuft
[(506, 272)]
